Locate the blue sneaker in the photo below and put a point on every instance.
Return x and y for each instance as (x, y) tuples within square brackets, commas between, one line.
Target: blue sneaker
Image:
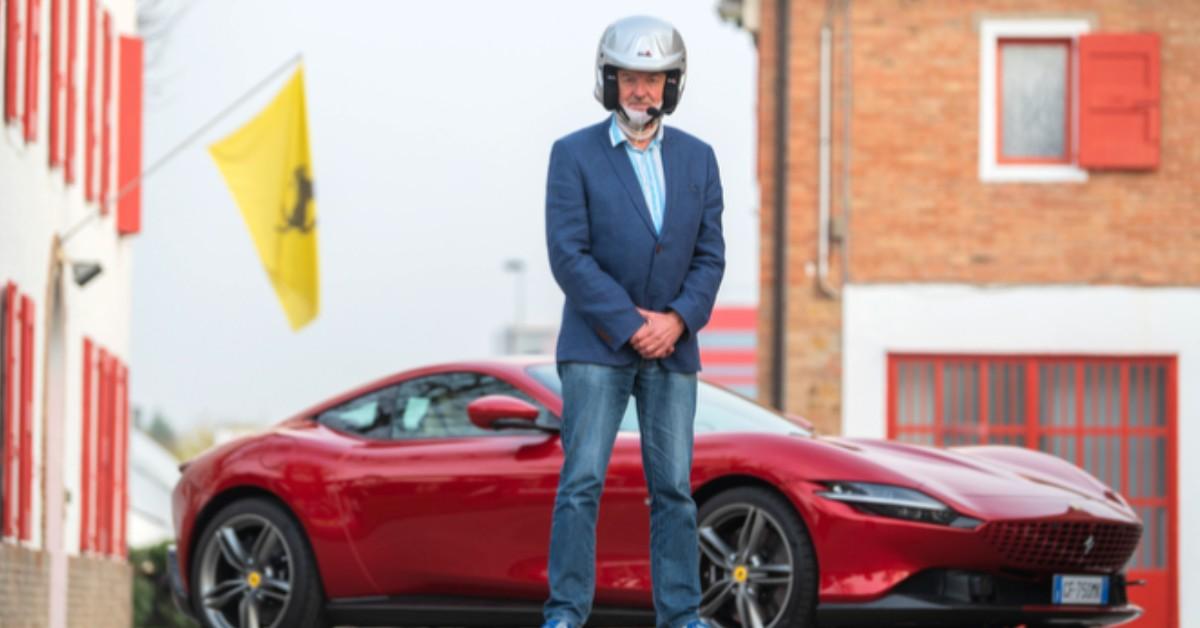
[(696, 624)]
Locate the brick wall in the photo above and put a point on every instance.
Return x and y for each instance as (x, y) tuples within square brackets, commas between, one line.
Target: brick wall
[(24, 587), (99, 590), (915, 207), (100, 593)]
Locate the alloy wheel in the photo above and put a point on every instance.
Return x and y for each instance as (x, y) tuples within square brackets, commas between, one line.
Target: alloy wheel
[(245, 574), (746, 568)]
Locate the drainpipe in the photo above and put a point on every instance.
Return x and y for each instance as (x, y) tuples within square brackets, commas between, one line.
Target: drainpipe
[(823, 184), (779, 304)]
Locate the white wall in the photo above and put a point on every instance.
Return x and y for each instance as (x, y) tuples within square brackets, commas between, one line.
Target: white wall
[(882, 319), (35, 204)]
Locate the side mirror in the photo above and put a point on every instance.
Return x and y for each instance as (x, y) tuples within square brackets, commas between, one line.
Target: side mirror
[(497, 412), (801, 421)]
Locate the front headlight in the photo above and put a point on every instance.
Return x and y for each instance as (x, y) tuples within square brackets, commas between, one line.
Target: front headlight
[(896, 502)]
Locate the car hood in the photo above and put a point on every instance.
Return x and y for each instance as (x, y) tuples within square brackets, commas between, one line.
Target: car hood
[(992, 481)]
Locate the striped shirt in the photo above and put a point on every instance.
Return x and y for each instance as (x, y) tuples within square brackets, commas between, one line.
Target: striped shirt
[(648, 166)]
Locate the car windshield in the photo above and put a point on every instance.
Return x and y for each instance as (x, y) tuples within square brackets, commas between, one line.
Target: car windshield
[(717, 409)]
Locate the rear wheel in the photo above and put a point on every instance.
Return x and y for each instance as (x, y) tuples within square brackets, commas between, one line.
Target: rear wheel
[(252, 569), (757, 567)]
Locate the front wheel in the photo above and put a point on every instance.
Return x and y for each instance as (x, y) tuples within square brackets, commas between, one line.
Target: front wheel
[(252, 569), (757, 567)]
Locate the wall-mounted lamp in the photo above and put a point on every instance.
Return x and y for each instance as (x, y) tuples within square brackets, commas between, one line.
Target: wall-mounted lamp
[(85, 272)]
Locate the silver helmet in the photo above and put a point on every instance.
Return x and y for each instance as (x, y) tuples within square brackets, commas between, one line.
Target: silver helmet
[(645, 44)]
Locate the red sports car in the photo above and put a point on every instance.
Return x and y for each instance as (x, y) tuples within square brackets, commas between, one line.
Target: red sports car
[(425, 499)]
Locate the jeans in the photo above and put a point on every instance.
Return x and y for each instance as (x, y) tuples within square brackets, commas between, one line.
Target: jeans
[(594, 400)]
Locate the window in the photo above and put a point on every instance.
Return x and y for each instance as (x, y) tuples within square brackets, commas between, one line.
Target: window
[(16, 414), (1114, 417), (1056, 100), (1035, 104), (434, 406), (1027, 127)]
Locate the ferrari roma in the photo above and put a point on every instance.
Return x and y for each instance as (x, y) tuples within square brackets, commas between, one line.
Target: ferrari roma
[(425, 499)]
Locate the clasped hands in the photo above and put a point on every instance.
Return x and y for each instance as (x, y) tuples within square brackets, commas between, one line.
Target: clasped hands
[(656, 338)]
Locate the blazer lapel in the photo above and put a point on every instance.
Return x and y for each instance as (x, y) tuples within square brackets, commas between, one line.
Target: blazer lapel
[(624, 169), (673, 173)]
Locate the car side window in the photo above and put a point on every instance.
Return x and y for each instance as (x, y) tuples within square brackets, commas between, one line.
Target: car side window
[(434, 406), (369, 415)]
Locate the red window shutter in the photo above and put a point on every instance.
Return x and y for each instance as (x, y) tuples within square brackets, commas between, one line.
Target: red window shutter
[(89, 104), (7, 410), (129, 133), (85, 445), (12, 49), (123, 459), (1119, 101), (106, 454), (106, 113), (26, 445), (33, 19), (55, 79), (72, 93)]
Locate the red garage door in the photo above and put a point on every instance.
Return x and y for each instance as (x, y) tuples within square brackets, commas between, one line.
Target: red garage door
[(1114, 416)]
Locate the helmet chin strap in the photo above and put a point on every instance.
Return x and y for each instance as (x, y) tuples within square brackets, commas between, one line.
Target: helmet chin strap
[(642, 125)]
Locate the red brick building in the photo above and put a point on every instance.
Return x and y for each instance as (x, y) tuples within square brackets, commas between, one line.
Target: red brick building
[(987, 216)]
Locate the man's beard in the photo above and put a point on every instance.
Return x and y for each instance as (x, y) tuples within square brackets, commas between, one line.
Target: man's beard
[(638, 125)]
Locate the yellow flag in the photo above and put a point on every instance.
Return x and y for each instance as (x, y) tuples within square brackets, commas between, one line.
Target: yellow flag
[(267, 167)]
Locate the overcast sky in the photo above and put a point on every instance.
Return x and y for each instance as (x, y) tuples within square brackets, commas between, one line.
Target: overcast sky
[(430, 125)]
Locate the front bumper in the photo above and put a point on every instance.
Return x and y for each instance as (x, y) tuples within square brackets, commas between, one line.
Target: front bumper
[(178, 592), (946, 597)]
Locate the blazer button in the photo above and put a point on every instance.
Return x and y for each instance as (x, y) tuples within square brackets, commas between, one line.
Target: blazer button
[(658, 249)]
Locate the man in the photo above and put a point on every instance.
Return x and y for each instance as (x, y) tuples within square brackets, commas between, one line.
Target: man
[(633, 226)]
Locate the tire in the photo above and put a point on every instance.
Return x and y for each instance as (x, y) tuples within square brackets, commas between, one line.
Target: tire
[(273, 576), (737, 582)]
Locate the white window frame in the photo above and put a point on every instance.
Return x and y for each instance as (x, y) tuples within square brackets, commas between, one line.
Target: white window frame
[(991, 31)]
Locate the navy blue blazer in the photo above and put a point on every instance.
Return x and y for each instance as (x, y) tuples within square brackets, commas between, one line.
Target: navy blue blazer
[(605, 254)]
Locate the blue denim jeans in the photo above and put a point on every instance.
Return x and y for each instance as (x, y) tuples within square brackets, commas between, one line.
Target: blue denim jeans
[(594, 400)]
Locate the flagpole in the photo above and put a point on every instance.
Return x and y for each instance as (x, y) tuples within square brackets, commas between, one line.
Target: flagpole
[(129, 186)]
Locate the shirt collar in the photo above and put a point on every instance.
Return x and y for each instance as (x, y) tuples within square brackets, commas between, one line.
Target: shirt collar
[(616, 135)]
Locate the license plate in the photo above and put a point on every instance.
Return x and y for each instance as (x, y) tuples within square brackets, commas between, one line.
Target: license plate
[(1080, 589)]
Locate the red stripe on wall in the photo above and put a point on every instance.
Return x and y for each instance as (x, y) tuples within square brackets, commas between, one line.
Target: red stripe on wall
[(733, 318)]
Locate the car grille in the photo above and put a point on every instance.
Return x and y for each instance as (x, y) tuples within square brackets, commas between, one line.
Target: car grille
[(1084, 545)]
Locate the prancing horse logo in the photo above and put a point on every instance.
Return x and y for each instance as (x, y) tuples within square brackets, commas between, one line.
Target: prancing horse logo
[(297, 218), (1089, 544)]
